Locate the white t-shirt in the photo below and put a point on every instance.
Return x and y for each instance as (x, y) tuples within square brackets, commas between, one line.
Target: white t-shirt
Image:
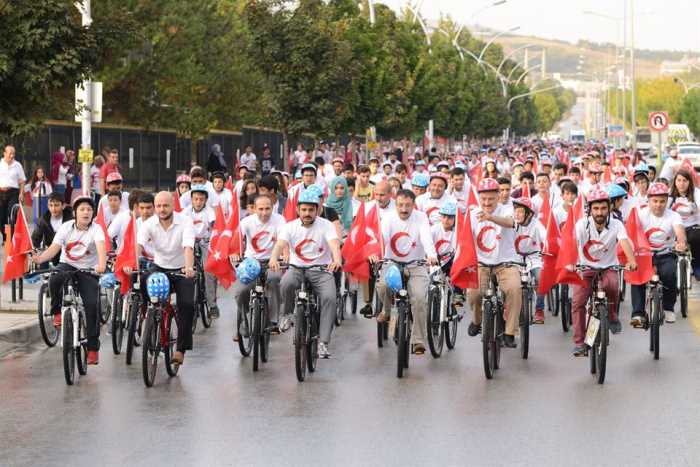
[(201, 221), (659, 230), (117, 228), (212, 198), (56, 223), (109, 216), (259, 237), (168, 245), (407, 240), (248, 160), (530, 238), (444, 241), (62, 174), (599, 249), (554, 202), (300, 157), (78, 246), (378, 177), (11, 175), (494, 244), (147, 248), (431, 206), (670, 167), (688, 210), (309, 246), (104, 202)]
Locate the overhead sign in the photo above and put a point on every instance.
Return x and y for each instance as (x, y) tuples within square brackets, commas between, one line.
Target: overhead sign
[(616, 131), (85, 156), (658, 121)]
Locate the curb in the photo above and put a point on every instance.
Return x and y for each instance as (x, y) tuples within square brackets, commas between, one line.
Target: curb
[(19, 337)]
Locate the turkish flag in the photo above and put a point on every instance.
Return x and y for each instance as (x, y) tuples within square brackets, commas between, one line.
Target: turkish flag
[(525, 191), (16, 262), (607, 175), (687, 165), (476, 173), (465, 267), (226, 242), (364, 240), (100, 220), (473, 198), (549, 255), (290, 209), (642, 251), (578, 209), (126, 257), (229, 183), (568, 253), (176, 202), (545, 210)]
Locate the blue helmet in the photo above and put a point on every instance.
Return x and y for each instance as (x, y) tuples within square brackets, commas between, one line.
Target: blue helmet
[(449, 209), (315, 189), (309, 166), (297, 174), (393, 278), (420, 180), (641, 168), (248, 271), (199, 189), (158, 286), (108, 281), (309, 197), (616, 191)]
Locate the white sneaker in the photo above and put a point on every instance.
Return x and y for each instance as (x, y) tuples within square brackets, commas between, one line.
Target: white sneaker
[(323, 350), (286, 322), (670, 316)]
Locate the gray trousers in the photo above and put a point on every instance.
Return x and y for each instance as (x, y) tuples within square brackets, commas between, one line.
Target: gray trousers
[(241, 294), (210, 281), (323, 285), (418, 295)]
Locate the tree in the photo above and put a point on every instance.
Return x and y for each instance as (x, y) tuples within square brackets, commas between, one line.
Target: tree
[(689, 112), (547, 111)]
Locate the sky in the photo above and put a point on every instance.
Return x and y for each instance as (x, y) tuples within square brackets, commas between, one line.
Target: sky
[(660, 24)]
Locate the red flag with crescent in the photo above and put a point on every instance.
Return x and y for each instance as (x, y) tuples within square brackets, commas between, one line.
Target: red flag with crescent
[(100, 220), (641, 248), (224, 242), (126, 257), (549, 255), (465, 267), (568, 253), (290, 209), (21, 245), (545, 210), (229, 183)]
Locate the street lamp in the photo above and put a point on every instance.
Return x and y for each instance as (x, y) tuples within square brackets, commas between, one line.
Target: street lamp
[(513, 52), (417, 16), (532, 68), (478, 12), (527, 94), (513, 29)]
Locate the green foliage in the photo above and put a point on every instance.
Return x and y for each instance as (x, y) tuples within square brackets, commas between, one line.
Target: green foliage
[(689, 111), (547, 111)]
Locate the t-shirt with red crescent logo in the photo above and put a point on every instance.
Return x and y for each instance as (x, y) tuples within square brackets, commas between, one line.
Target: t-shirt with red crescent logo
[(201, 220), (431, 206), (494, 244), (260, 237), (78, 246), (309, 246), (599, 249), (659, 230), (444, 240), (407, 240), (529, 238), (687, 209)]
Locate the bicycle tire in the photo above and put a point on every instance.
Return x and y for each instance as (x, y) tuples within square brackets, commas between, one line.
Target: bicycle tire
[(500, 327), (683, 291), (300, 343), (623, 287), (353, 302), (451, 327), (487, 338), (171, 346), (68, 349), (265, 326), (245, 344), (150, 349), (49, 332), (655, 331), (257, 330), (117, 322), (552, 304), (565, 312), (104, 306), (382, 328), (339, 303), (205, 313), (525, 324), (602, 343), (81, 349), (434, 328), (312, 339), (403, 341), (132, 329)]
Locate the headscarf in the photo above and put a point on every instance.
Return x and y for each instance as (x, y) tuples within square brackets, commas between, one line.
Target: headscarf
[(342, 205), (216, 150), (56, 161)]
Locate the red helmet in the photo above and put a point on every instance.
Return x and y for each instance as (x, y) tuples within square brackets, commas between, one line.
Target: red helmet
[(657, 189), (114, 177), (487, 184), (524, 202), (595, 168), (183, 179), (596, 194), (441, 176)]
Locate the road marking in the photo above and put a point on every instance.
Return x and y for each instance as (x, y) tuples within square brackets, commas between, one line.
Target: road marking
[(694, 315)]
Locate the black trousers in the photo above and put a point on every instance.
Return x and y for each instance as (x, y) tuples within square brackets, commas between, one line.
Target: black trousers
[(693, 237), (666, 269), (89, 290), (7, 199), (184, 292)]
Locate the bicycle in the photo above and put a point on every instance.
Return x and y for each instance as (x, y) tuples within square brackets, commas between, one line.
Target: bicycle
[(442, 314), (553, 301), (493, 326), (306, 323), (49, 332), (654, 313), (262, 330), (159, 335), (377, 305), (106, 295), (135, 316), (684, 281), (598, 325), (346, 293), (528, 292), (201, 305), (565, 307)]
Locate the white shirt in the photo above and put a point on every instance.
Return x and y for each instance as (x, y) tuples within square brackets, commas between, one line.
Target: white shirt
[(56, 223), (168, 245), (407, 240), (11, 175), (42, 188), (494, 244), (300, 157), (223, 199), (62, 172), (444, 241), (670, 167), (248, 160), (431, 206), (554, 202), (95, 178), (688, 210), (598, 249), (147, 250), (530, 238), (201, 221), (212, 198), (104, 202), (309, 246), (117, 228), (260, 237), (378, 177), (109, 216), (659, 230), (78, 246)]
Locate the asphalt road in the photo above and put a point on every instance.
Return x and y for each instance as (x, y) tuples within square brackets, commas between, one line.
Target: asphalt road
[(354, 411)]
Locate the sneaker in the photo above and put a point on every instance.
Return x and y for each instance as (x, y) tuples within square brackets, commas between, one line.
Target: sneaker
[(580, 351), (670, 316), (383, 317), (418, 349), (615, 327), (458, 299), (57, 320), (323, 350), (286, 322), (509, 341), (93, 357), (539, 317), (474, 329), (214, 312), (637, 320), (366, 311)]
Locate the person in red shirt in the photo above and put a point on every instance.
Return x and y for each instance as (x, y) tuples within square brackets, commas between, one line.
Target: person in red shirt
[(112, 165)]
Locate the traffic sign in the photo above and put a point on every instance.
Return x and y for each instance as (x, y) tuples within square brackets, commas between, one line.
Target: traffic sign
[(85, 156), (658, 121), (616, 131)]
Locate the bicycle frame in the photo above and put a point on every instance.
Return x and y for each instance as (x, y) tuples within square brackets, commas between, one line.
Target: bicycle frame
[(438, 279)]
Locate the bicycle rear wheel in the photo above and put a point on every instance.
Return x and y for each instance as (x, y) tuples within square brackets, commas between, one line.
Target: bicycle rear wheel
[(205, 313), (340, 304), (312, 339), (68, 349), (553, 300), (602, 343), (435, 330), (300, 338), (525, 324), (382, 328), (81, 349), (104, 306), (257, 331), (150, 349), (265, 336), (683, 291), (132, 326), (118, 321), (488, 338), (170, 345), (655, 325), (401, 354), (49, 332)]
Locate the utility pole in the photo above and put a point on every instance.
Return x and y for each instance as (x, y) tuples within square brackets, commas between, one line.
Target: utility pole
[(86, 123), (633, 77), (624, 68)]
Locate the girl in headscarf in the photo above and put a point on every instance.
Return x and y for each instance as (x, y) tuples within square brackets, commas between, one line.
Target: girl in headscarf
[(339, 199), (59, 172)]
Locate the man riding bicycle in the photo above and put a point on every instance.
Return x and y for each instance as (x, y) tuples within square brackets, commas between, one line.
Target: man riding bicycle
[(665, 232), (311, 241), (597, 236)]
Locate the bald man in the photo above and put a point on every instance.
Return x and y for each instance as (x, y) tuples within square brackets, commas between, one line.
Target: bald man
[(171, 236)]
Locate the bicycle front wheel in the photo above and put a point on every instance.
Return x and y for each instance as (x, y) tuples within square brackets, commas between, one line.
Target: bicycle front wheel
[(683, 290), (81, 345), (150, 349), (488, 338), (118, 321), (300, 340), (436, 332), (256, 305), (655, 325), (451, 326), (401, 354), (244, 328), (132, 326), (170, 345), (49, 332), (602, 343), (525, 324), (104, 305), (68, 349)]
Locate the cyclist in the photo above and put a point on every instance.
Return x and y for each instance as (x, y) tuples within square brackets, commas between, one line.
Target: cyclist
[(118, 226), (543, 185), (684, 200), (664, 230), (259, 232), (641, 184), (445, 241), (312, 241), (146, 209), (114, 206), (115, 183), (171, 234), (431, 202), (183, 184), (81, 243), (407, 238), (530, 236), (198, 177), (50, 222), (459, 186), (493, 229), (597, 236), (224, 195), (419, 184), (617, 195)]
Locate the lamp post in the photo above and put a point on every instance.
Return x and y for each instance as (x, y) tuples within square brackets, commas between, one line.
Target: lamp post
[(527, 94), (513, 52), (532, 68), (488, 44), (478, 12)]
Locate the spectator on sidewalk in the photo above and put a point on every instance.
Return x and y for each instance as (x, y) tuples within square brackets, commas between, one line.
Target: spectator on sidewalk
[(48, 224), (109, 167), (12, 180), (97, 164), (216, 162), (39, 190), (59, 172)]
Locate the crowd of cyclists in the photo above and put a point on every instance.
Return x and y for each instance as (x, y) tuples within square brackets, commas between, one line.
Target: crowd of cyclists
[(293, 226)]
